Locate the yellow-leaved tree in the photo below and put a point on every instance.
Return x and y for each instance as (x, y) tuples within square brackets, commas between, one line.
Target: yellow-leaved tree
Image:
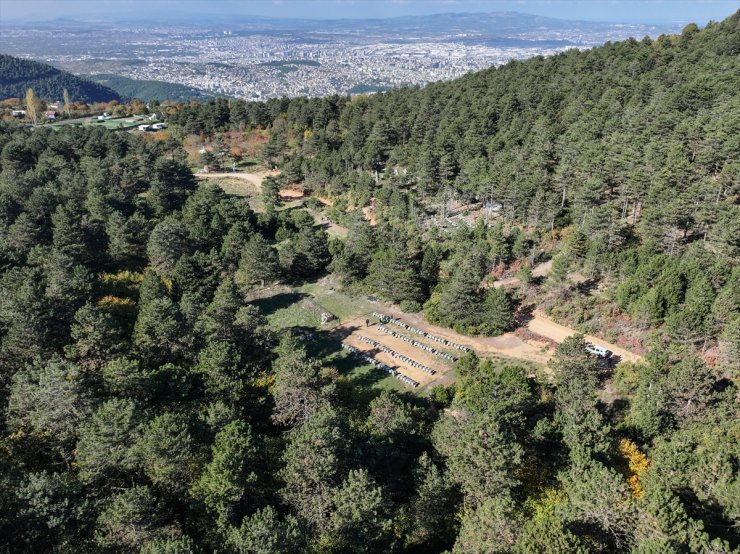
[(32, 105)]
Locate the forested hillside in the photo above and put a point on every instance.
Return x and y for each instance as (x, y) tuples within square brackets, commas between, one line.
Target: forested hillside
[(146, 91), (645, 128), (629, 152), (18, 75), (148, 405)]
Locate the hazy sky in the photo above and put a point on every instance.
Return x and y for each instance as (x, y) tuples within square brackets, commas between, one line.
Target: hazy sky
[(637, 11)]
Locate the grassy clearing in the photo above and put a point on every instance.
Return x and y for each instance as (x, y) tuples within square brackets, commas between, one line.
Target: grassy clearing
[(301, 307), (360, 374), (342, 306), (234, 186), (300, 310), (288, 310)]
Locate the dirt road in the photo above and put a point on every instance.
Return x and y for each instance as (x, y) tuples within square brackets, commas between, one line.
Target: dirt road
[(542, 325), (507, 345), (510, 345), (332, 228), (253, 178)]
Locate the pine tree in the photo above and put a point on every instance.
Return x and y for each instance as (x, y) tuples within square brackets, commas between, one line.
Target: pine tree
[(229, 482), (492, 527), (497, 314), (265, 533), (167, 452), (359, 520), (258, 263)]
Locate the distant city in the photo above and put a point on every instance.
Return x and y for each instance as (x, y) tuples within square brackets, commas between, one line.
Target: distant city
[(274, 58)]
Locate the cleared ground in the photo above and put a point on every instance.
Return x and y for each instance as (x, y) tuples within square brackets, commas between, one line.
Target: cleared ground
[(300, 308), (544, 326), (231, 184), (351, 331), (254, 180), (249, 185)]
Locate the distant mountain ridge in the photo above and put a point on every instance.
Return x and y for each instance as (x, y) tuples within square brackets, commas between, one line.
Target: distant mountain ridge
[(498, 23), (17, 75)]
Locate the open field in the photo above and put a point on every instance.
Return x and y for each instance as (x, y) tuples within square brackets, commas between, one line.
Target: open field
[(231, 185), (249, 185), (253, 181), (115, 123)]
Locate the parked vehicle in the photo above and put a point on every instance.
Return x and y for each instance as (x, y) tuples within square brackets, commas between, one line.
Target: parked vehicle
[(599, 351)]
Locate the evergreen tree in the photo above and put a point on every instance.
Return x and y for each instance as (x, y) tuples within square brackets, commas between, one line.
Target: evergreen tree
[(105, 451), (229, 482), (167, 452), (265, 533), (132, 518), (258, 263)]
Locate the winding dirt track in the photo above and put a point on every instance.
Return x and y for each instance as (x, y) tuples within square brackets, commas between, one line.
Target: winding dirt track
[(254, 178)]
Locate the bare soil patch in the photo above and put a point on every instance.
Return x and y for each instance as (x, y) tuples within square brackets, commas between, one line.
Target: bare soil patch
[(350, 332), (507, 345), (541, 325), (291, 194)]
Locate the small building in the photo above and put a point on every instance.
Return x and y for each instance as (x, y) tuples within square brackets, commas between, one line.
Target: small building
[(18, 113), (50, 115), (144, 128), (159, 126)]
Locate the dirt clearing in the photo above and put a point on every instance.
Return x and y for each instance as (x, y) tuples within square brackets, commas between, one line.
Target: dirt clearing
[(351, 331), (541, 325)]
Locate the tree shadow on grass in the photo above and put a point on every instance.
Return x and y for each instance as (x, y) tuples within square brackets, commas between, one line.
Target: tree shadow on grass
[(319, 343), (272, 304), (358, 387)]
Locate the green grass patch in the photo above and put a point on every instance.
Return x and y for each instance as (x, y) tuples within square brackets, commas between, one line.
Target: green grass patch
[(286, 310), (342, 306), (361, 374)]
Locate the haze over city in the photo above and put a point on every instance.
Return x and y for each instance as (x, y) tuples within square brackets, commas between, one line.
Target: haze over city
[(289, 48), (631, 11)]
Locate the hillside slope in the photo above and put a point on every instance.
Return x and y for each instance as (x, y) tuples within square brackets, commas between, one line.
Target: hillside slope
[(48, 82), (146, 90), (634, 127), (158, 397)]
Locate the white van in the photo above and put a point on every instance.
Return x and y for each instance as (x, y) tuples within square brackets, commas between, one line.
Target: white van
[(599, 351)]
